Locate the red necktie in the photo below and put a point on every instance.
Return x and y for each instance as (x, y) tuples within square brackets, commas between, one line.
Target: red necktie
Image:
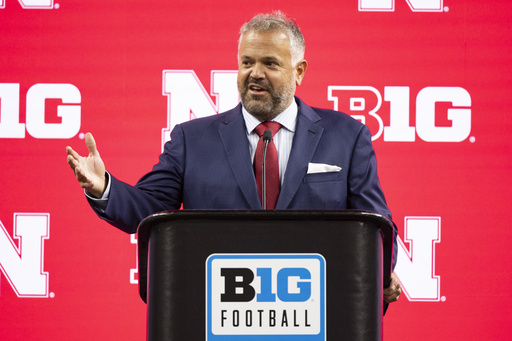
[(273, 184)]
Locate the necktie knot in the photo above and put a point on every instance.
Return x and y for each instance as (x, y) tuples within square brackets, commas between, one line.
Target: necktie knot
[(268, 125)]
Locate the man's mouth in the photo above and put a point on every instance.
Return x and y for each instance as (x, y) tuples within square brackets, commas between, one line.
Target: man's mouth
[(256, 89)]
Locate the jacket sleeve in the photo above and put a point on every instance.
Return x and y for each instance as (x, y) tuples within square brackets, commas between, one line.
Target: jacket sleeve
[(158, 190)]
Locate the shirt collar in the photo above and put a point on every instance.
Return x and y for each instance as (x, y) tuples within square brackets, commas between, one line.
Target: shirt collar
[(288, 118)]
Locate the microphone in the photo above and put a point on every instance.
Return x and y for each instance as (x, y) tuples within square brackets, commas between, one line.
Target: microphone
[(267, 137)]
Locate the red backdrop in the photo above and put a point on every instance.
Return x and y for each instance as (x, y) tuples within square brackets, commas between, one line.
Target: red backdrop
[(431, 78)]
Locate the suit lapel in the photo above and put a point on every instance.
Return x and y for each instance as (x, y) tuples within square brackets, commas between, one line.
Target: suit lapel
[(233, 134), (305, 142)]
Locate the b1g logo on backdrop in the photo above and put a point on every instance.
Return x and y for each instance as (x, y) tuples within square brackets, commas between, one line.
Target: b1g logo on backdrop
[(443, 114), (265, 297), (68, 111)]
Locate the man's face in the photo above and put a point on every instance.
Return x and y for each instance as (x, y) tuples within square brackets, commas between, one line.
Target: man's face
[(266, 76)]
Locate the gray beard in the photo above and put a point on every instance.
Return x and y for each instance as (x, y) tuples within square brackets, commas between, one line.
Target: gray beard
[(262, 109)]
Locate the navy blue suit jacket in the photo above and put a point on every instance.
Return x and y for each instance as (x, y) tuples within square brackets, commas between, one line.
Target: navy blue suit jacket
[(207, 165)]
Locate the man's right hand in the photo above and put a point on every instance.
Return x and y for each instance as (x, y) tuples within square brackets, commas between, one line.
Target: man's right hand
[(90, 170)]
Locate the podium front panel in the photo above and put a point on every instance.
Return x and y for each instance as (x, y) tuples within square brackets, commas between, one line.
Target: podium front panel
[(273, 273)]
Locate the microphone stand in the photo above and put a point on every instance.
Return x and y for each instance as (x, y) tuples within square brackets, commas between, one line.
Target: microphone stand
[(267, 137)]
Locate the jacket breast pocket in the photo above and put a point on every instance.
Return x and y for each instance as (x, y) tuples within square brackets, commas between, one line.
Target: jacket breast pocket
[(322, 177)]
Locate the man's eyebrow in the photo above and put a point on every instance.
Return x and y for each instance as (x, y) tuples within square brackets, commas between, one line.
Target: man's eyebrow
[(266, 58)]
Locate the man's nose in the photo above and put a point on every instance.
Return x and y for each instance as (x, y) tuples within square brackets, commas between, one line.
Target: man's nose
[(257, 71)]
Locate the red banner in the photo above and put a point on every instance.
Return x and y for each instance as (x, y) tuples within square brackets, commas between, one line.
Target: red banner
[(431, 78)]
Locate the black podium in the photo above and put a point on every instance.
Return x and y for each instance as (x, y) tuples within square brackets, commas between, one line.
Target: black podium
[(264, 275)]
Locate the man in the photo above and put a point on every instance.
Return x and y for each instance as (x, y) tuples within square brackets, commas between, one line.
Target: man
[(326, 160)]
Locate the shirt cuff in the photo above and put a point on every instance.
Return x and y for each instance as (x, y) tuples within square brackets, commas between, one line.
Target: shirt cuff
[(104, 198)]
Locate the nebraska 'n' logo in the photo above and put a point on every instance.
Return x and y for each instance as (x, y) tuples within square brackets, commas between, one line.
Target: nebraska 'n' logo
[(389, 5), (416, 267), (23, 265), (187, 98), (32, 4)]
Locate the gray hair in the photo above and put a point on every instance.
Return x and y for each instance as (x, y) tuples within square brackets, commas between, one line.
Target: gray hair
[(277, 21)]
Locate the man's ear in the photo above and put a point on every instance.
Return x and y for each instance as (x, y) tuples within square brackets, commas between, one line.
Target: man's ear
[(300, 71)]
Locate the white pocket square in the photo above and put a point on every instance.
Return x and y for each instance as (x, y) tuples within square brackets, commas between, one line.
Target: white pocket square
[(322, 168)]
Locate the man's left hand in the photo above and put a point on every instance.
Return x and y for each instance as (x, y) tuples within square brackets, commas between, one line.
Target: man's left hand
[(392, 292)]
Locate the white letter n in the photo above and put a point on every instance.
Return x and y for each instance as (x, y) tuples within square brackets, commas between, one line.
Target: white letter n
[(23, 265), (389, 5), (187, 98), (416, 268)]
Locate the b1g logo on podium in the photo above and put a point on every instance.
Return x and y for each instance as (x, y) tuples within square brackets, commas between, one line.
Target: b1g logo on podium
[(265, 297)]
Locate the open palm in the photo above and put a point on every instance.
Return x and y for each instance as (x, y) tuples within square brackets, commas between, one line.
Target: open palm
[(89, 170)]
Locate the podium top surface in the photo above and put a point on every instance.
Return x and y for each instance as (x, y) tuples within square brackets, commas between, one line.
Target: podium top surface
[(340, 215)]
